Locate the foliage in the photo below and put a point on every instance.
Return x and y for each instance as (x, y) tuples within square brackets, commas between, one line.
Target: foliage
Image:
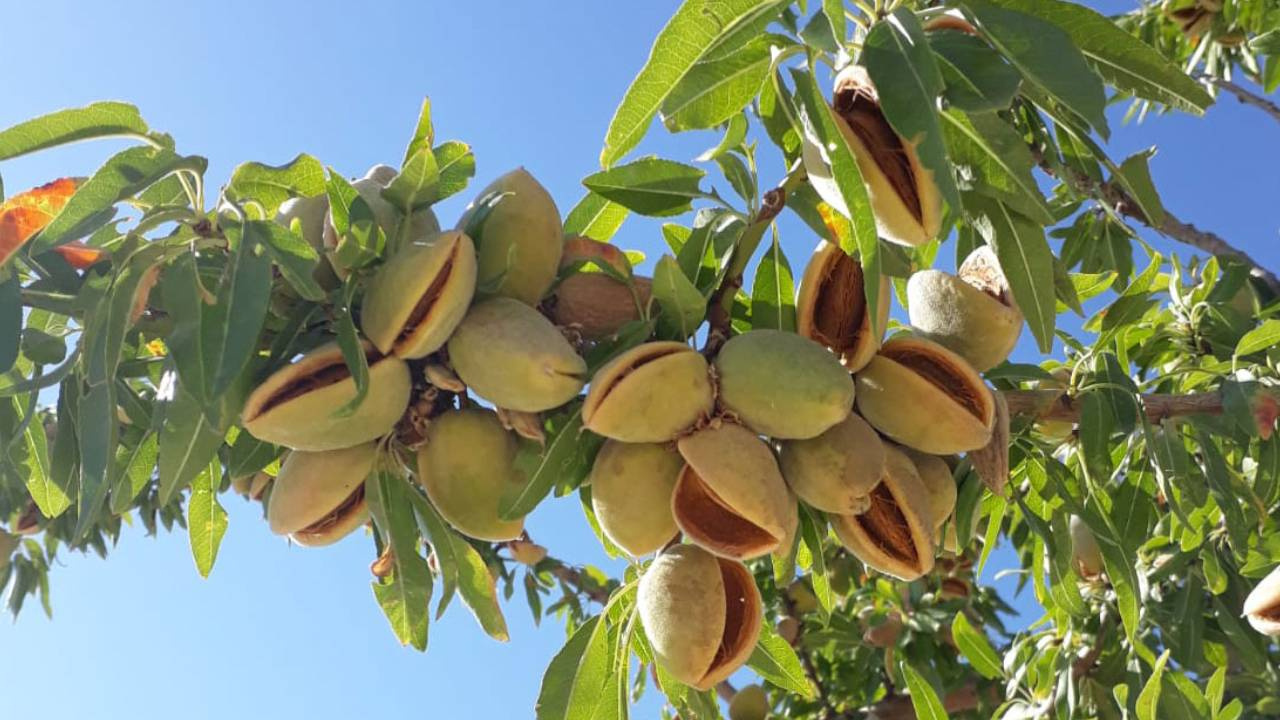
[(128, 346)]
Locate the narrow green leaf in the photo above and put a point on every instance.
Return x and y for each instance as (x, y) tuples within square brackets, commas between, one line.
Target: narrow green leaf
[(43, 484), (1122, 59), (456, 166), (423, 132), (1047, 57), (595, 217), (124, 175), (231, 326), (295, 257), (1149, 698), (696, 27), (683, 307), (776, 661), (352, 349), (98, 427), (206, 520), (10, 321), (715, 90), (734, 134), (573, 681), (996, 157), (924, 699), (1258, 339), (976, 648), (543, 467), (414, 187), (466, 568), (1135, 175), (405, 597), (271, 185), (773, 292), (139, 465), (977, 79), (649, 186), (187, 442), (1214, 691), (1026, 259), (905, 73), (99, 120)]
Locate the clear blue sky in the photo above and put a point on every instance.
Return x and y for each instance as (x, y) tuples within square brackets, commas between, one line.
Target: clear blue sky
[(285, 632)]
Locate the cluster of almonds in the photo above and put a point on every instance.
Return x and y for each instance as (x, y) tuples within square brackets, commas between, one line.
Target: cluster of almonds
[(455, 292)]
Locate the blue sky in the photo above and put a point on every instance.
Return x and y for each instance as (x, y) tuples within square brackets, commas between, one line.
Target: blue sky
[(287, 632)]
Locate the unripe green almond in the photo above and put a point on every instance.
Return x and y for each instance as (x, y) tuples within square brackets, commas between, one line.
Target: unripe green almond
[(731, 498), (516, 228), (832, 308), (418, 297), (387, 216), (835, 471), (297, 406), (701, 614), (512, 356), (650, 393), (964, 318), (1262, 607), (893, 535), (466, 466), (926, 397), (310, 212), (631, 488), (318, 497), (939, 484), (749, 703), (783, 385)]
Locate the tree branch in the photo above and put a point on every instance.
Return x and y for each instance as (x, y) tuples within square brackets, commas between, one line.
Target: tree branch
[(1058, 405), (1244, 95)]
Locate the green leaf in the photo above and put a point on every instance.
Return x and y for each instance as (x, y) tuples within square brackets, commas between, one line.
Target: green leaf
[(231, 326), (294, 256), (990, 152), (423, 132), (206, 520), (924, 699), (683, 307), (106, 327), (1122, 59), (187, 442), (976, 648), (595, 217), (734, 134), (461, 563), (571, 687), (97, 430), (10, 321), (457, 165), (414, 187), (271, 185), (1026, 259), (1047, 57), (906, 75), (1214, 690), (977, 79), (776, 661), (124, 175), (649, 186), (405, 596), (99, 120), (715, 90), (1135, 176), (352, 349), (1258, 339), (1149, 698), (43, 484), (544, 466), (834, 174), (773, 292), (138, 466), (696, 27)]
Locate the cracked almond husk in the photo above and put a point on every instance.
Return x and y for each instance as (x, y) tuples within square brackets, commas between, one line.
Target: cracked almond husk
[(631, 489), (835, 471), (597, 305), (730, 497), (318, 497), (1262, 607), (991, 461), (296, 406), (419, 295), (926, 397), (939, 485), (466, 466), (443, 377), (650, 393), (893, 535), (525, 424), (903, 194), (701, 614), (832, 307), (509, 354), (972, 313), (782, 385)]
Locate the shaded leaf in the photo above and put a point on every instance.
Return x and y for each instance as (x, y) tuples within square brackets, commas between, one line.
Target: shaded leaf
[(649, 186), (683, 306), (977, 79), (773, 292), (1026, 259)]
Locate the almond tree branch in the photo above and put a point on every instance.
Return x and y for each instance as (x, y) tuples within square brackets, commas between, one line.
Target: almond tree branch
[(1244, 95), (1115, 196), (1058, 405)]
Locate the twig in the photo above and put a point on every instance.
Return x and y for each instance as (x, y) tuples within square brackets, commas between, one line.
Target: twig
[(1244, 95), (1058, 405)]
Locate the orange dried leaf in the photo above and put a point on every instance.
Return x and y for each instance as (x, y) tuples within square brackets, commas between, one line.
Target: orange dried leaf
[(579, 249), (26, 214), (79, 255)]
